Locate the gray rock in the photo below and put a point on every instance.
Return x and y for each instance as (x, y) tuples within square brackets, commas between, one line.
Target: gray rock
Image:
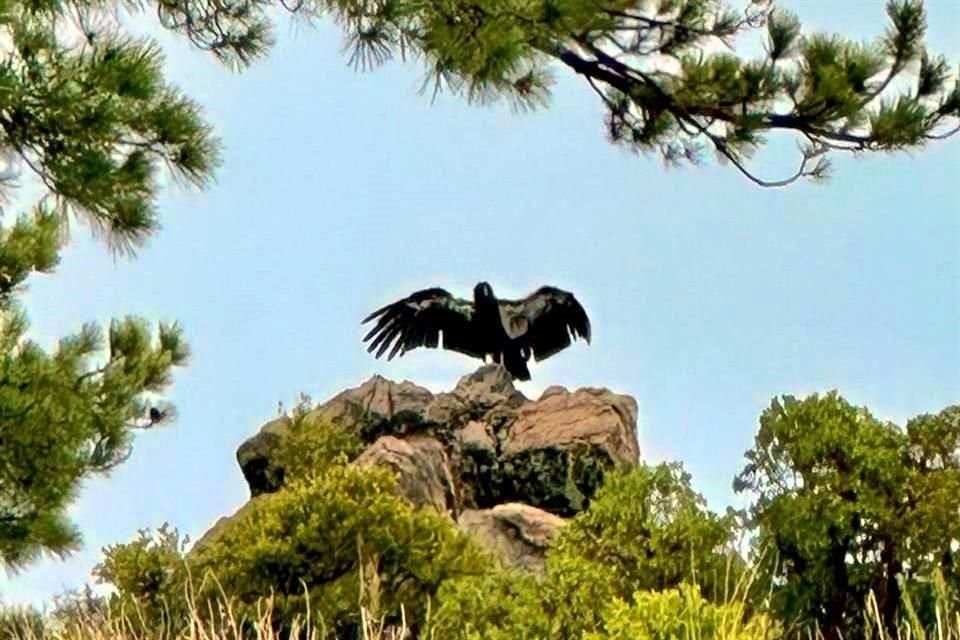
[(488, 387), (477, 435), (422, 467), (375, 398), (557, 450), (516, 533), (257, 458)]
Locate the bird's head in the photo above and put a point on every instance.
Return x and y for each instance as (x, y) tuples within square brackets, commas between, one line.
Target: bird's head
[(483, 291)]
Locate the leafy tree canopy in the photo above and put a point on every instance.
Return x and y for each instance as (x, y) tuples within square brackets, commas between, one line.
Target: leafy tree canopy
[(63, 418), (847, 505), (86, 111)]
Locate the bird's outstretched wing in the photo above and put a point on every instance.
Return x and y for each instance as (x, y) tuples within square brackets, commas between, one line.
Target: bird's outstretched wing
[(418, 320), (545, 321)]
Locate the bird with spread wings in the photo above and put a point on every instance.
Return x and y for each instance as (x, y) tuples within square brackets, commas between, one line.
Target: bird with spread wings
[(508, 331)]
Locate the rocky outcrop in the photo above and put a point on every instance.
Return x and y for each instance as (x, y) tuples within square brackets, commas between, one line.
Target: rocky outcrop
[(257, 458), (508, 469), (589, 416)]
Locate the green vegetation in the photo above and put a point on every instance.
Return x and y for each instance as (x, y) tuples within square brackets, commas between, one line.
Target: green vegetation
[(852, 506), (854, 525), (665, 71), (853, 533), (86, 115), (334, 538), (310, 447), (646, 532), (326, 540)]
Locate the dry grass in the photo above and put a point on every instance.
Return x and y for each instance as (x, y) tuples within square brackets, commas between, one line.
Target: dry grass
[(910, 628), (224, 627), (221, 622)]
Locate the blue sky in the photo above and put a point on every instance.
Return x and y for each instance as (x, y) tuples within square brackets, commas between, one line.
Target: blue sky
[(342, 191)]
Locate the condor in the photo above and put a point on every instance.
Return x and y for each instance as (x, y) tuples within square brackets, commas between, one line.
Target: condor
[(508, 331)]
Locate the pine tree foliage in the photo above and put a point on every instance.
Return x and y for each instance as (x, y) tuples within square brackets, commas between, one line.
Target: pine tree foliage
[(64, 416), (86, 114), (86, 111), (664, 69)]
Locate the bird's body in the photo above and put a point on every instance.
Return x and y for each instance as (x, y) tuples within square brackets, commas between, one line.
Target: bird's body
[(507, 331)]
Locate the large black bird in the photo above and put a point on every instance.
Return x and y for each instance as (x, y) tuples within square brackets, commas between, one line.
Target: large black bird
[(508, 331)]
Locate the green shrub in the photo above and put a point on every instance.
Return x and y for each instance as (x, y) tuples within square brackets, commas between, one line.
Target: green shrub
[(333, 539), (680, 613), (150, 577), (310, 446), (650, 530), (577, 603), (499, 605), (343, 537)]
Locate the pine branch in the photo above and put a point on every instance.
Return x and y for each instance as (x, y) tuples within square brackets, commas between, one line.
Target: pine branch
[(486, 50)]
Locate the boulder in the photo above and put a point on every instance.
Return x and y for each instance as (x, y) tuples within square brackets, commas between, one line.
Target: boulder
[(477, 435), (377, 398), (598, 417), (422, 468), (488, 389), (257, 458), (557, 450), (516, 533), (365, 408)]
